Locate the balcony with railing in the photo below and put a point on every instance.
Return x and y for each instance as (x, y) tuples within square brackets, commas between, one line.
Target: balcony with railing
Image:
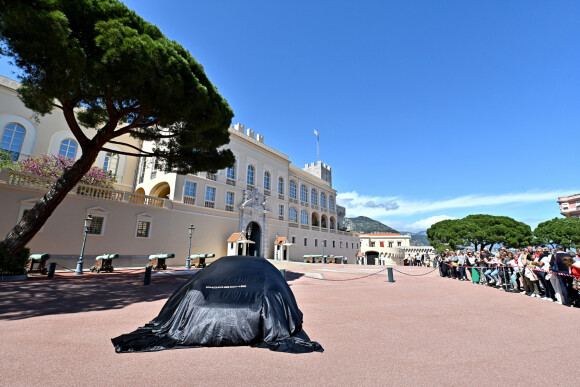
[(34, 182), (209, 204), (230, 207), (281, 196), (211, 176), (231, 182), (266, 192), (189, 200)]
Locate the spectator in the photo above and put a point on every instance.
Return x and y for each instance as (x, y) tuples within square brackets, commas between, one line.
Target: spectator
[(558, 266)]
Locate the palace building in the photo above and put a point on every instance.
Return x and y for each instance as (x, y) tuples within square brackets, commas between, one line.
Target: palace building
[(262, 199)]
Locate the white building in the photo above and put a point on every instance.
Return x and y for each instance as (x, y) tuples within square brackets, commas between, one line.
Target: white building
[(389, 249), (263, 196)]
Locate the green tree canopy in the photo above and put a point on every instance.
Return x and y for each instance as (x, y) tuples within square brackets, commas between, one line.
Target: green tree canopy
[(107, 69), (564, 231), (479, 231)]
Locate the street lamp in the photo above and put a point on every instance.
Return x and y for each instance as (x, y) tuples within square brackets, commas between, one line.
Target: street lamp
[(187, 262), (88, 222)]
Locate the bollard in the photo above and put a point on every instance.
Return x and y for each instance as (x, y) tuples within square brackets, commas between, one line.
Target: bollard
[(390, 272), (283, 272), (147, 279), (51, 270)]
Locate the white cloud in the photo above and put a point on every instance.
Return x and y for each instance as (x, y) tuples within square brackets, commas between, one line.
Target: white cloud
[(380, 207)]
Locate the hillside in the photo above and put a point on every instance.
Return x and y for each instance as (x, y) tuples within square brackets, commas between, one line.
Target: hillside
[(365, 225)]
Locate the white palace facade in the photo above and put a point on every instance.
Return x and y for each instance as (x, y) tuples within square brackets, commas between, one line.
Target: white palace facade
[(263, 196)]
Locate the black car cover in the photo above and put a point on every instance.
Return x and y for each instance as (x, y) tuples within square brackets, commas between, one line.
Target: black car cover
[(237, 300)]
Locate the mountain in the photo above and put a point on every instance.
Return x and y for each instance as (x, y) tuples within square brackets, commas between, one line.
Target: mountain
[(419, 239), (365, 225)]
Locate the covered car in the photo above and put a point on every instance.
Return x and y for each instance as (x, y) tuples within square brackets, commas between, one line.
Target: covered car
[(237, 300)]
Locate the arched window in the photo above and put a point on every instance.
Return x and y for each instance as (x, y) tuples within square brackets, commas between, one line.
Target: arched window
[(303, 193), (292, 189), (12, 139), (267, 180), (293, 215), (111, 163), (68, 148), (331, 226), (330, 202), (303, 217), (251, 175), (281, 185), (231, 172), (313, 197), (322, 200)]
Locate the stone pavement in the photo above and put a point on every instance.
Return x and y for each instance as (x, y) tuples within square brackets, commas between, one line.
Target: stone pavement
[(421, 330)]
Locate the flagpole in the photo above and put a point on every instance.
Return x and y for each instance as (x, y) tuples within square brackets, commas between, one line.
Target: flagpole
[(317, 147)]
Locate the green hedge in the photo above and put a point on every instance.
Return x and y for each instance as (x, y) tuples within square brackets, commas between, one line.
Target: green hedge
[(13, 264)]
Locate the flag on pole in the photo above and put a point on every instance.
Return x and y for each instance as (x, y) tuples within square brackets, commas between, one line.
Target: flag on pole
[(316, 133)]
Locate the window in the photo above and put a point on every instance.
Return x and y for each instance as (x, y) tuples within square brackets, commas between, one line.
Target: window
[(303, 217), (229, 201), (96, 225), (325, 243), (153, 168), (333, 244), (251, 175), (316, 243), (12, 139), (292, 189), (372, 244), (305, 241), (267, 180), (303, 193), (68, 148), (210, 197), (398, 243), (390, 244), (143, 228), (142, 165), (341, 244), (189, 192), (231, 172), (111, 163), (322, 200), (330, 203), (294, 239), (293, 215), (190, 189), (280, 212), (281, 186), (313, 197)]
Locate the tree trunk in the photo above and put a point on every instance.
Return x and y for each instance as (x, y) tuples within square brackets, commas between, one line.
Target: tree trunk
[(33, 221)]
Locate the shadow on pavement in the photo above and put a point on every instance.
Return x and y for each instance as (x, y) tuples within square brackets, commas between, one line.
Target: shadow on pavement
[(292, 276), (74, 294)]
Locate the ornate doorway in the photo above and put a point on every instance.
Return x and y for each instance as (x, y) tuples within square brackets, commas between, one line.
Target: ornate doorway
[(254, 233)]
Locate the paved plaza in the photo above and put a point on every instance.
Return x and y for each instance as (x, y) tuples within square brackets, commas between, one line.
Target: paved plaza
[(419, 330)]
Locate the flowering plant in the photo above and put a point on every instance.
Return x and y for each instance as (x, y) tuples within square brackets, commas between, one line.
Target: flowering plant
[(54, 166)]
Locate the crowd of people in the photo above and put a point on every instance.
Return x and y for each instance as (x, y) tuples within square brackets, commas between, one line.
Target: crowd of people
[(550, 275)]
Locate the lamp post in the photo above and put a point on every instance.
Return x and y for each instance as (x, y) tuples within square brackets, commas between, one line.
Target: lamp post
[(88, 222), (187, 262)]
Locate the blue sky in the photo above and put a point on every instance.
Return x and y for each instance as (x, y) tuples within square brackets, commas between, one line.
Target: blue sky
[(427, 110)]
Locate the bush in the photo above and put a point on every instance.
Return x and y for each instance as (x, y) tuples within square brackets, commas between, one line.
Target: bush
[(6, 161), (13, 264), (54, 166)]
